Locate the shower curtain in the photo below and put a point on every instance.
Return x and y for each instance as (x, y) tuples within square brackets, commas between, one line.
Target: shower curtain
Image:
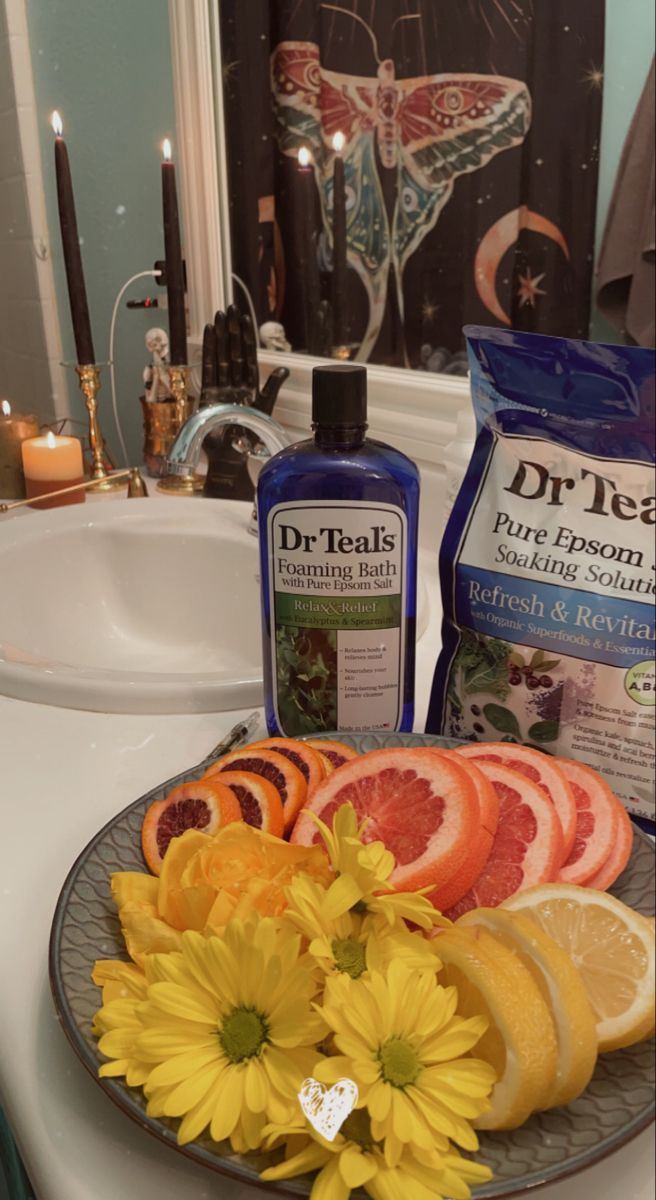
[(471, 150)]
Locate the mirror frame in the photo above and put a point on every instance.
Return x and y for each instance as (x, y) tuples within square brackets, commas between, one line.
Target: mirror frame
[(415, 410)]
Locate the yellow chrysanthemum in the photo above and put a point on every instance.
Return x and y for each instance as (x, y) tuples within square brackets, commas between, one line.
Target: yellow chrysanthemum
[(353, 942), (363, 871), (355, 1159), (400, 1039), (227, 1030)]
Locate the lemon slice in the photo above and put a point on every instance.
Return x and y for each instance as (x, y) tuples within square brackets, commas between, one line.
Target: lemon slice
[(562, 989), (613, 948), (520, 1043)]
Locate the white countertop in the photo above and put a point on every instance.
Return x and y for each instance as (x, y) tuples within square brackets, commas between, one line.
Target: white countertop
[(64, 774)]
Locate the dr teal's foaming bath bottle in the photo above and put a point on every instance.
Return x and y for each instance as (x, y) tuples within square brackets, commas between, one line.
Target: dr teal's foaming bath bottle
[(337, 516)]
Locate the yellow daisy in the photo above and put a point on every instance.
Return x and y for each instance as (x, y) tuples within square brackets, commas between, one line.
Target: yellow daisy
[(353, 942), (355, 1159), (400, 1039), (227, 1030)]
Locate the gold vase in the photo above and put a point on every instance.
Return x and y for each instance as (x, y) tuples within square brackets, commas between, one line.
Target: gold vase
[(161, 427)]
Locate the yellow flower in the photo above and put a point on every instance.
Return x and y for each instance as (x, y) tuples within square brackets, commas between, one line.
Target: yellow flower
[(353, 942), (402, 1042), (356, 1159), (363, 871), (227, 1030), (207, 881)]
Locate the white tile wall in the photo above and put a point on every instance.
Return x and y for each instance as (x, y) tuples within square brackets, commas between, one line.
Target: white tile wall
[(25, 376)]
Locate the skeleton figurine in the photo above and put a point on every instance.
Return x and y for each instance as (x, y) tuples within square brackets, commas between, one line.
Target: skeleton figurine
[(274, 337), (157, 382)]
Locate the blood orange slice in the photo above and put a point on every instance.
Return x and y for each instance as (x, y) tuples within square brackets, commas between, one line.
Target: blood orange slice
[(203, 805), (422, 805), (272, 766), (619, 855), (451, 890), (528, 845), (540, 769), (259, 801), (334, 753), (308, 760), (597, 823)]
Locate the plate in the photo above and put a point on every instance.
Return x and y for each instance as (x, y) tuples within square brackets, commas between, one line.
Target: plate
[(616, 1106)]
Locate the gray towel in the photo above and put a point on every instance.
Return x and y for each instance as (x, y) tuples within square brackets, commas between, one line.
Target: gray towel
[(626, 273)]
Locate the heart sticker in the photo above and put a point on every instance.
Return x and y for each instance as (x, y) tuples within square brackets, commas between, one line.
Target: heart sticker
[(326, 1108)]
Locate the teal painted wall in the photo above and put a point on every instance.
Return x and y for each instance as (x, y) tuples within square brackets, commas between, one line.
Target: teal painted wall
[(105, 64), (630, 33)]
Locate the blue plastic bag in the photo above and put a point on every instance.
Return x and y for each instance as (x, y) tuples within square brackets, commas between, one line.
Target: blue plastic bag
[(547, 561)]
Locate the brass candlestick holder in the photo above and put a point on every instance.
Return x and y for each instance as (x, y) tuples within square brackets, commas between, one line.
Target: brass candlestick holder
[(89, 378), (176, 485)]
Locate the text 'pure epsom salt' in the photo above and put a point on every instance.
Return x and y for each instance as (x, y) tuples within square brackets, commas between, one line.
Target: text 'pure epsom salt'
[(547, 564)]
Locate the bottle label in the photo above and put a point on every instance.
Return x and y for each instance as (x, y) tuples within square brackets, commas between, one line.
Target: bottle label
[(337, 584)]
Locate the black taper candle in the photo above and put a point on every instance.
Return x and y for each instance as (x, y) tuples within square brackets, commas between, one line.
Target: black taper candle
[(310, 289), (175, 288), (339, 292), (77, 293)]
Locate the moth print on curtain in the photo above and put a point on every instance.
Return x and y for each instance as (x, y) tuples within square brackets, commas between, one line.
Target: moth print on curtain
[(429, 129)]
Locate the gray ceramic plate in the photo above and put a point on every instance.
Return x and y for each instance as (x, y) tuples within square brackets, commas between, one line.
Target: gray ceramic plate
[(617, 1104)]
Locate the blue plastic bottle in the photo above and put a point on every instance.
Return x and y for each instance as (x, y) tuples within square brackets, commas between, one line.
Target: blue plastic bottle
[(338, 546)]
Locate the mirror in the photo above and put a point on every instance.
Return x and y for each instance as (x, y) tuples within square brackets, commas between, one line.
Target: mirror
[(398, 170)]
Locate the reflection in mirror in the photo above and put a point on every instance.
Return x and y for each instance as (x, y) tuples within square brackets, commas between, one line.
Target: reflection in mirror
[(398, 170)]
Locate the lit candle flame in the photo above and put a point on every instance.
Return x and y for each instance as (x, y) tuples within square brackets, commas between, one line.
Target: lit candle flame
[(56, 123), (51, 440), (304, 157), (338, 142), (166, 150), (6, 408)]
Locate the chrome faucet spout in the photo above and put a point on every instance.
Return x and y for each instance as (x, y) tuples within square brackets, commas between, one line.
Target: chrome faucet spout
[(184, 454)]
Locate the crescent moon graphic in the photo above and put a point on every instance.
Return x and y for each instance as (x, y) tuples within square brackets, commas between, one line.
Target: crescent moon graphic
[(498, 239)]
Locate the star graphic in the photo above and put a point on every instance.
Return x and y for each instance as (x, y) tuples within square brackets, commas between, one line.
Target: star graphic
[(429, 309), (594, 77), (528, 288)]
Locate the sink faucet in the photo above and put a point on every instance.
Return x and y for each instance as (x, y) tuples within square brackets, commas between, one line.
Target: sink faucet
[(184, 454)]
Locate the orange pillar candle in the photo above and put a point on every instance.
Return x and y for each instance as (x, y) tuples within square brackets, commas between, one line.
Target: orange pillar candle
[(52, 462), (14, 429)]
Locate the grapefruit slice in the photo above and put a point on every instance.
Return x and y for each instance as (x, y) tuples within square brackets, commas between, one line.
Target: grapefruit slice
[(203, 805), (272, 766), (597, 823), (449, 891), (539, 768), (528, 845), (422, 805), (308, 760), (619, 855), (335, 753), (259, 801)]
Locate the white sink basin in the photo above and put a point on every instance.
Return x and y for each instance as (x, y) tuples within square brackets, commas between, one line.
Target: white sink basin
[(149, 606)]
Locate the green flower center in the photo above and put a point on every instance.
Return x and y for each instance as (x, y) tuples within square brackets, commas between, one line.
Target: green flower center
[(243, 1033), (357, 1128), (399, 1063), (349, 956)]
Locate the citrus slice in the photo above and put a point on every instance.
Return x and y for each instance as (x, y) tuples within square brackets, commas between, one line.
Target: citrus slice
[(451, 890), (422, 805), (562, 990), (597, 823), (528, 843), (619, 856), (272, 766), (204, 805), (335, 753), (304, 757), (259, 801), (613, 948), (520, 1043), (540, 769)]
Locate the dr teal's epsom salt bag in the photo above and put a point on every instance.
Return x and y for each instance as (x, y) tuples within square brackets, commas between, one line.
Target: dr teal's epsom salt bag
[(547, 561)]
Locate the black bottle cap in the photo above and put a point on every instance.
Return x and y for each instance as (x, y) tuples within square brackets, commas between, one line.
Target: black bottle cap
[(339, 395)]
